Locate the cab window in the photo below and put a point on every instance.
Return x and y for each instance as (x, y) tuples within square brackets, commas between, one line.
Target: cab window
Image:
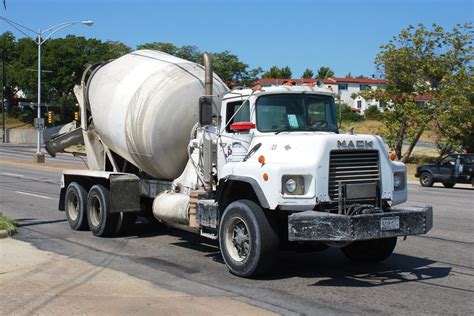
[(236, 112), (448, 160)]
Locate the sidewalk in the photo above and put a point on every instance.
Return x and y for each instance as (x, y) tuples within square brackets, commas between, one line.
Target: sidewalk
[(33, 281)]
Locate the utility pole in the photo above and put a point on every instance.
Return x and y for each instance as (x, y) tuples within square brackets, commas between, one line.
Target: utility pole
[(4, 85)]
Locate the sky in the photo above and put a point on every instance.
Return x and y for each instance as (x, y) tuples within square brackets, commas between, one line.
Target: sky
[(342, 34)]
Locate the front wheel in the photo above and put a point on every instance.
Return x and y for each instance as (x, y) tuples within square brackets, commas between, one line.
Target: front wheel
[(426, 179), (374, 250), (247, 239)]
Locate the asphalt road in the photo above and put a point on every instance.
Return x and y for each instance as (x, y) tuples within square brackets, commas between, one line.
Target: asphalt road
[(432, 274)]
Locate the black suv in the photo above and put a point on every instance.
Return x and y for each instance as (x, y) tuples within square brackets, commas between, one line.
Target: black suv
[(449, 170)]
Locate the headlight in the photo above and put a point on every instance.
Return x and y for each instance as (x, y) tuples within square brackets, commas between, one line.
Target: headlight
[(293, 185), (290, 185), (397, 181)]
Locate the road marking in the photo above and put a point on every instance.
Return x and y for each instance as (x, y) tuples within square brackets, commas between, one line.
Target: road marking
[(13, 175), (37, 195)]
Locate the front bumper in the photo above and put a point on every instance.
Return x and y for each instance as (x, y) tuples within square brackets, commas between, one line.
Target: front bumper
[(320, 226)]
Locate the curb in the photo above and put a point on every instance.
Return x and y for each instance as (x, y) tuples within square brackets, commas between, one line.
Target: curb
[(7, 233)]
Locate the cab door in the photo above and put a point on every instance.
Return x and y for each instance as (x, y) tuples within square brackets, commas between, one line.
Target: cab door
[(234, 143), (446, 168)]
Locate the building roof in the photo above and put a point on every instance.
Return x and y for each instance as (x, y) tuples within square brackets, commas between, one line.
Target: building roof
[(355, 80)]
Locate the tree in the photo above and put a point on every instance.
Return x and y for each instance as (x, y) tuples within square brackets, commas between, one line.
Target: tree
[(373, 113), (63, 60), (278, 73), (188, 52), (229, 67), (431, 64), (349, 75), (324, 73), (7, 55), (161, 46), (252, 76), (226, 65), (307, 74)]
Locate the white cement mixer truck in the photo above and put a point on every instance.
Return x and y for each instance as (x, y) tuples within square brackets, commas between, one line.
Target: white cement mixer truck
[(254, 168)]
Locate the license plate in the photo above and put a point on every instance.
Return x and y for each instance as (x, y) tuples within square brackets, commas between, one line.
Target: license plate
[(390, 223)]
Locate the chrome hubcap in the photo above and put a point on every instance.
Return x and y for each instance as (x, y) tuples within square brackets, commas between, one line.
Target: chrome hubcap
[(96, 211), (73, 206), (426, 179), (238, 239)]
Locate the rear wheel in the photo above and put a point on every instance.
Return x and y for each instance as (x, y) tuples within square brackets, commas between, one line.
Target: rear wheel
[(124, 221), (374, 250), (248, 242), (75, 202), (426, 179), (102, 223), (448, 185)]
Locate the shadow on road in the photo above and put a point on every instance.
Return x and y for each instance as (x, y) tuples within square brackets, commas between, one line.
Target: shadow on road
[(326, 268), (331, 268)]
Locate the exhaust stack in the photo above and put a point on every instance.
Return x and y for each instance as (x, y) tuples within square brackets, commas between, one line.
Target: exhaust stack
[(208, 75)]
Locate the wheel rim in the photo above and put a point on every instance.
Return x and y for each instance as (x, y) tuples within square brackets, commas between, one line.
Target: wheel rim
[(73, 206), (237, 239), (96, 211), (425, 179)]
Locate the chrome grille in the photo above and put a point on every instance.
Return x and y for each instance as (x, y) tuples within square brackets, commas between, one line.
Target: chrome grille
[(352, 166)]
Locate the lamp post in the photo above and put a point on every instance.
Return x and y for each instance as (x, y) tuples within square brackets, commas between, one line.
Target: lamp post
[(41, 37)]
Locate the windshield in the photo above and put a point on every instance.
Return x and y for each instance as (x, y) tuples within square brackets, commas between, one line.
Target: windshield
[(295, 112)]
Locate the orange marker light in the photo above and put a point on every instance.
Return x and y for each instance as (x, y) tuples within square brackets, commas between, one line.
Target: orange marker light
[(261, 159), (392, 156), (265, 176)]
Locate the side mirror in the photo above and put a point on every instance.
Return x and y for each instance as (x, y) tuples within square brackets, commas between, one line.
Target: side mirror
[(205, 110), (242, 126)]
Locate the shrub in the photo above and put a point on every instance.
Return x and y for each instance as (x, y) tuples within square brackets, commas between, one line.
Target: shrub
[(347, 114), (24, 115), (373, 113)]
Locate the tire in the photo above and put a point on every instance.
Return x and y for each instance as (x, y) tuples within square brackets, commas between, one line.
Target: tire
[(248, 241), (102, 223), (374, 250), (76, 206), (426, 179), (124, 221), (449, 185)]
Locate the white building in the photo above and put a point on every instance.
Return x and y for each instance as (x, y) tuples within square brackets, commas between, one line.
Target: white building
[(346, 89)]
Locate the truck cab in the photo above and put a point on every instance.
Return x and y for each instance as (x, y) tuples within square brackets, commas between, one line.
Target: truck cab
[(280, 154)]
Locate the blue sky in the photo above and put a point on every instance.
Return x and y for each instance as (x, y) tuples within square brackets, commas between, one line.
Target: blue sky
[(342, 34)]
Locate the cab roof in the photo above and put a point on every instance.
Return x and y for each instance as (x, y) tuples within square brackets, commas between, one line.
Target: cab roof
[(245, 92)]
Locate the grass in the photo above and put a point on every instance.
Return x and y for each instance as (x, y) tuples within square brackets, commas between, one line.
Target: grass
[(6, 223), (365, 127), (375, 127), (411, 169), (13, 122)]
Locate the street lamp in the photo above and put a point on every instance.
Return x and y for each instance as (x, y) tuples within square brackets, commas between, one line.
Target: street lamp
[(41, 37)]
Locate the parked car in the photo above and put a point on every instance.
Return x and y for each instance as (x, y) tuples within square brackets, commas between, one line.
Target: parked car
[(449, 170)]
